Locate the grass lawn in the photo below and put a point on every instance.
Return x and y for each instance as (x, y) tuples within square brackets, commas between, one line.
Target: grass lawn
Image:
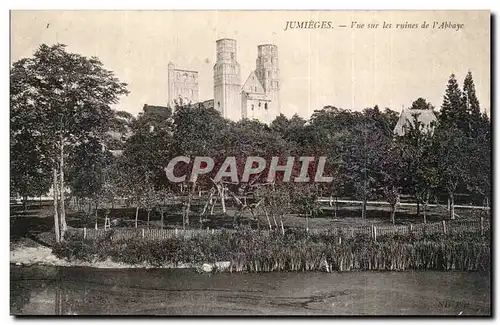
[(37, 221)]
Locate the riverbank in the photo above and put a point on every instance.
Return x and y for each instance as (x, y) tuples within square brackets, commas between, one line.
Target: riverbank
[(268, 252), (22, 255), (250, 251)]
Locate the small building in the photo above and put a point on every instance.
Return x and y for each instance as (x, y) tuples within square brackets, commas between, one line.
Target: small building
[(425, 116)]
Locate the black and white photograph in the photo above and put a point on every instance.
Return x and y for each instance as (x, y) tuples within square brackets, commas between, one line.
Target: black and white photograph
[(250, 163)]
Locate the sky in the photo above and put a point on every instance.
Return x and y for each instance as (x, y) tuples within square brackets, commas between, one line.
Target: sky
[(350, 68)]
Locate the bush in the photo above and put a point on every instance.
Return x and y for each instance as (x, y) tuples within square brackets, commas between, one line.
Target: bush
[(297, 250)]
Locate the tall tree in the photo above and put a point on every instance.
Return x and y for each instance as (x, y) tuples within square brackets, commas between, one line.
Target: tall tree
[(471, 105), (72, 95), (453, 111)]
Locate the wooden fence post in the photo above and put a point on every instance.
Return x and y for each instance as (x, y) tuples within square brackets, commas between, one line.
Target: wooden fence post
[(482, 226), (142, 233), (444, 227), (331, 201), (85, 232)]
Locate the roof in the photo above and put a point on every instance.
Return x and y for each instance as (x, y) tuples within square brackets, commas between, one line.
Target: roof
[(208, 103), (425, 116), (253, 84), (184, 70)]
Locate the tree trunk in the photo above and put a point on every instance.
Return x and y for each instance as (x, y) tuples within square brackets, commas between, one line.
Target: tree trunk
[(307, 221), (258, 219), (418, 208), (212, 207), (56, 217), (222, 199), (363, 209), (335, 209), (268, 220), (40, 202), (425, 212), (188, 210), (207, 203), (97, 216), (25, 203), (149, 211), (282, 227), (365, 188), (162, 215), (136, 214), (64, 227), (275, 223), (425, 207), (452, 206), (183, 216), (393, 213)]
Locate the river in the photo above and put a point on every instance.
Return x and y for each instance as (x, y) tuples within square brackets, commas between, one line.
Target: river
[(41, 290)]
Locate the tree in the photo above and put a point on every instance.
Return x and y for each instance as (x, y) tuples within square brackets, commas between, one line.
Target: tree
[(162, 195), (368, 158), (30, 175), (287, 127), (421, 175), (277, 200), (72, 95), (478, 175), (450, 145), (471, 106), (421, 103), (86, 168), (304, 198), (198, 131), (452, 110)]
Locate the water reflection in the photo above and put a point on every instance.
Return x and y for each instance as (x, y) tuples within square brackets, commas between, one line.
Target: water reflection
[(85, 291)]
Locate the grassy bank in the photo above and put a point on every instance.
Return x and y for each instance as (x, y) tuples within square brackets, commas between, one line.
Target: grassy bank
[(251, 251)]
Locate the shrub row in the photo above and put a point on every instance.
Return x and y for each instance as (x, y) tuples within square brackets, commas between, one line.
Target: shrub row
[(295, 251)]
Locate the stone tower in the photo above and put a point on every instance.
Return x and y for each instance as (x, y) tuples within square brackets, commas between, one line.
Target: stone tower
[(227, 80), (268, 72), (182, 86)]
